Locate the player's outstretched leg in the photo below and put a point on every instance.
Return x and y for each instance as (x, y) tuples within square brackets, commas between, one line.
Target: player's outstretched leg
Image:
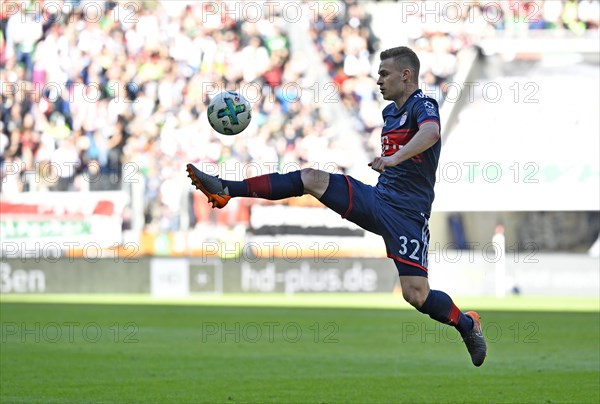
[(269, 186)]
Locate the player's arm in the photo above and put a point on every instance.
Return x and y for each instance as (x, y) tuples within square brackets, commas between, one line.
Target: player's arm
[(427, 135)]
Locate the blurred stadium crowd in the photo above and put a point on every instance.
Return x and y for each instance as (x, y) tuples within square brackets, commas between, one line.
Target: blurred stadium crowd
[(104, 96)]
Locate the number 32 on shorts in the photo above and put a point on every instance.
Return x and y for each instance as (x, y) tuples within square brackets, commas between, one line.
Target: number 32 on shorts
[(407, 245)]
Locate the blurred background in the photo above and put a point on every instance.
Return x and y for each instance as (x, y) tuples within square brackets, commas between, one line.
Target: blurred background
[(104, 103)]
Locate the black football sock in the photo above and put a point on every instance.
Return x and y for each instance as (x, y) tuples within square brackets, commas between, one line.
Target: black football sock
[(440, 307), (269, 186)]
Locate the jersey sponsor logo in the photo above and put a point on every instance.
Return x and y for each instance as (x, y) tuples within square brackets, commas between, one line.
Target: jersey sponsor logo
[(393, 141)]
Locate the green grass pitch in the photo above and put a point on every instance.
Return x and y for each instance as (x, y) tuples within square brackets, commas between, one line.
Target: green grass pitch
[(230, 351)]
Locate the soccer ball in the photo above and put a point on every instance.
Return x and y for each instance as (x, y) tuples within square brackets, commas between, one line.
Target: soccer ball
[(229, 113)]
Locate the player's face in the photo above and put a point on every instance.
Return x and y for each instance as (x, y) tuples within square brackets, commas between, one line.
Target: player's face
[(391, 80)]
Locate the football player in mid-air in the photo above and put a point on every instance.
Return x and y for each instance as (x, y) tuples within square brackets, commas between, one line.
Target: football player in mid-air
[(397, 208)]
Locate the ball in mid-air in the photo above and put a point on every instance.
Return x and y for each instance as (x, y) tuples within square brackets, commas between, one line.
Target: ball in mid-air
[(229, 113)]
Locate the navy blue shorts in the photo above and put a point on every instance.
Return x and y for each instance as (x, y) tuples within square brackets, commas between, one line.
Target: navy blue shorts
[(405, 232)]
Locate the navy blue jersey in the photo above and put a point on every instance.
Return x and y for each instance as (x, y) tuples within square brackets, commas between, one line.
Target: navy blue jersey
[(409, 185)]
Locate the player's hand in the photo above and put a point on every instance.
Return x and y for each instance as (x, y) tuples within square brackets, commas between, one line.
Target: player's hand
[(380, 163)]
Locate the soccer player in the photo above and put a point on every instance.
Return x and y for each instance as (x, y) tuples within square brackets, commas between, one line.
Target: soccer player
[(397, 208)]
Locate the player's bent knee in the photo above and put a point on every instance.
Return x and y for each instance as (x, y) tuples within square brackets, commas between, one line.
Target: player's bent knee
[(315, 181), (414, 296), (415, 289)]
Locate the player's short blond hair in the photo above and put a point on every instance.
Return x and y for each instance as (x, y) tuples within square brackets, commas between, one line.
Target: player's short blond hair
[(404, 57)]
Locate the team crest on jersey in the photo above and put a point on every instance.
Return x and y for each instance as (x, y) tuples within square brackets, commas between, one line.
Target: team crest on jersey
[(403, 118)]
